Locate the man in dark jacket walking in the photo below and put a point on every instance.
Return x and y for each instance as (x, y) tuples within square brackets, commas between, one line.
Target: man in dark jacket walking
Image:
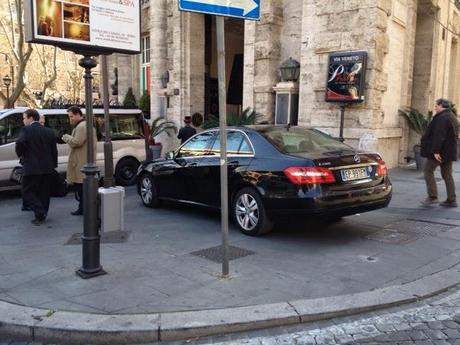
[(439, 146), (36, 146), (187, 131)]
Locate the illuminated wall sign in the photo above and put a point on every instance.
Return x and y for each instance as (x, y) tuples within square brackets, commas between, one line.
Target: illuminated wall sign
[(85, 25), (346, 77)]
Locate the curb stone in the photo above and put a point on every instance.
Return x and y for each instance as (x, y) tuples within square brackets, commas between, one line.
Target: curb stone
[(32, 324)]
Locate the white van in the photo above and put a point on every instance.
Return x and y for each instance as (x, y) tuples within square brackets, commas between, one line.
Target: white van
[(127, 132)]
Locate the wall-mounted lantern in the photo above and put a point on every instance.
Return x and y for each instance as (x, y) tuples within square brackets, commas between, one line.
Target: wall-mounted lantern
[(287, 94)]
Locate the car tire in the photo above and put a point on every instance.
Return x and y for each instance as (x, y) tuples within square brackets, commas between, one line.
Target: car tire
[(125, 172), (249, 213), (148, 191)]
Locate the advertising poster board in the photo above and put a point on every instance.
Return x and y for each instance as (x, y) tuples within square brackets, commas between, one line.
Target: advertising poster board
[(95, 26), (346, 77)]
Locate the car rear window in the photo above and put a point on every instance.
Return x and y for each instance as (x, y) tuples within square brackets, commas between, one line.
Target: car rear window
[(236, 144), (300, 140)]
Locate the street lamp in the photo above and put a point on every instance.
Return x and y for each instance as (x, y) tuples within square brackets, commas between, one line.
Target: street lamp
[(38, 95), (7, 83), (164, 78), (290, 70)]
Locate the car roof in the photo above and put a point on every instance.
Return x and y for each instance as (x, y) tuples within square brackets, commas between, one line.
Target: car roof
[(6, 112), (259, 128)]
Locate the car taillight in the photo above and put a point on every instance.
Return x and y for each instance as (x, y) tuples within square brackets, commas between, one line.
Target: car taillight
[(382, 168), (309, 175)]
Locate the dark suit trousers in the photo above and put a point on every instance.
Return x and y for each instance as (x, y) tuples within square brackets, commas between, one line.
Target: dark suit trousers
[(446, 173), (79, 191), (36, 193)]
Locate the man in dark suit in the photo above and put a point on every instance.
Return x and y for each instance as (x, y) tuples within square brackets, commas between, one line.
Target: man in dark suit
[(439, 146), (36, 146), (186, 132)]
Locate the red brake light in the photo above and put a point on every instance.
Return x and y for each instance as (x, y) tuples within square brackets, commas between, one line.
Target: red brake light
[(309, 175), (382, 168)]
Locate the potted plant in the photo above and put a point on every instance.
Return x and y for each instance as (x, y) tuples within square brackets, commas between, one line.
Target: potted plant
[(144, 104), (160, 125), (419, 123), (247, 117), (130, 99)]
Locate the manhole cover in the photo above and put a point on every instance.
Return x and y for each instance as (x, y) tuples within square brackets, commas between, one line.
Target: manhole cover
[(419, 226), (392, 237), (106, 237), (438, 179), (215, 253)]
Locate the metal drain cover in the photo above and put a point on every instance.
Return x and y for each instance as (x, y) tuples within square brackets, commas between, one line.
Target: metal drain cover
[(106, 237), (215, 253), (419, 226), (393, 237), (437, 179)]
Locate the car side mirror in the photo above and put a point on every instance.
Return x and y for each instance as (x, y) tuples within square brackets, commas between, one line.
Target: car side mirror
[(170, 155)]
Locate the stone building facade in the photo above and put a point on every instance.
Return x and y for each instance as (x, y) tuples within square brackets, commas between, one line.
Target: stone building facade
[(413, 48)]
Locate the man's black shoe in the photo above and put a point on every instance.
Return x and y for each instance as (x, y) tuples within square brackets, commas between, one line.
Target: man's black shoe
[(38, 221), (449, 203), (77, 213), (428, 202), (26, 208)]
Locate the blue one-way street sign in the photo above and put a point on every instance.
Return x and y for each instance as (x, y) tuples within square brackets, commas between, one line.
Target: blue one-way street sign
[(245, 9)]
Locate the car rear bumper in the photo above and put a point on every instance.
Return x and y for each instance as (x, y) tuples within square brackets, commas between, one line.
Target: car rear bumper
[(333, 203)]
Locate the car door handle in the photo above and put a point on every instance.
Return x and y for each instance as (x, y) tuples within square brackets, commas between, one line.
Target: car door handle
[(233, 163), (194, 164)]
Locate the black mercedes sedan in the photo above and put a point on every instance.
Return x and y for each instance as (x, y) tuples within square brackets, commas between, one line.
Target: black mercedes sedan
[(273, 171)]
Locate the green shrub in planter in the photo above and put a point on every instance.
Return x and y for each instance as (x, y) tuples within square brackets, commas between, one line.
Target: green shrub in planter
[(144, 104), (130, 99), (247, 117)]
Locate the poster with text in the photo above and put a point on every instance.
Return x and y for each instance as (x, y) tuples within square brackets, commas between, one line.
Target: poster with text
[(85, 25), (346, 77)]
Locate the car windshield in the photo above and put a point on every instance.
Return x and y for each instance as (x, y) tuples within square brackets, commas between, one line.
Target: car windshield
[(301, 140)]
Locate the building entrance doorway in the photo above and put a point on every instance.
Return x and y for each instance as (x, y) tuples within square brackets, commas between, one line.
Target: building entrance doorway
[(234, 65)]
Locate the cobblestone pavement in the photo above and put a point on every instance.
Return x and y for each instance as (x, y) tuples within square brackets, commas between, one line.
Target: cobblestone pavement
[(433, 321)]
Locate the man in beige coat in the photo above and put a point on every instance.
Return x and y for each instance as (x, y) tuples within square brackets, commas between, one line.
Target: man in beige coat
[(77, 156)]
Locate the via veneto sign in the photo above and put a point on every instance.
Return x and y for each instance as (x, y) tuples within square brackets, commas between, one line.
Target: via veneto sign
[(93, 26), (346, 77)]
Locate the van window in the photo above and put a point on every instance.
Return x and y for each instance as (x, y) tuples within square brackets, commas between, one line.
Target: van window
[(10, 127), (122, 126), (59, 123)]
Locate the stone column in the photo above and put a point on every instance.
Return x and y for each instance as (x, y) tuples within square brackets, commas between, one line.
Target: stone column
[(194, 64), (248, 77), (267, 56), (158, 53), (185, 61)]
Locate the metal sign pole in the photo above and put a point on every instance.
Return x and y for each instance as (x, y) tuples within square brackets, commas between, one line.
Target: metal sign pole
[(223, 141), (342, 120), (108, 150)]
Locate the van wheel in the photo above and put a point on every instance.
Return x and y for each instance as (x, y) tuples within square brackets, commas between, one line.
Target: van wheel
[(125, 172), (249, 213)]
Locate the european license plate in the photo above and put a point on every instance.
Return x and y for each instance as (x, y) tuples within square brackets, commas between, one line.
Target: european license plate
[(354, 174)]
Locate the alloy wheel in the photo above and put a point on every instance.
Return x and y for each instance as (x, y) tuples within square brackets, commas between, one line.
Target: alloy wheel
[(247, 212), (146, 190)]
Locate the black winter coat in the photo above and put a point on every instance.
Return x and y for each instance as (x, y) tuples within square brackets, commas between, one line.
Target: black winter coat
[(441, 137), (36, 146), (186, 133)]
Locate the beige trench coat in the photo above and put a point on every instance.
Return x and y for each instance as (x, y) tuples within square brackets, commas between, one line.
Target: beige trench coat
[(77, 156)]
